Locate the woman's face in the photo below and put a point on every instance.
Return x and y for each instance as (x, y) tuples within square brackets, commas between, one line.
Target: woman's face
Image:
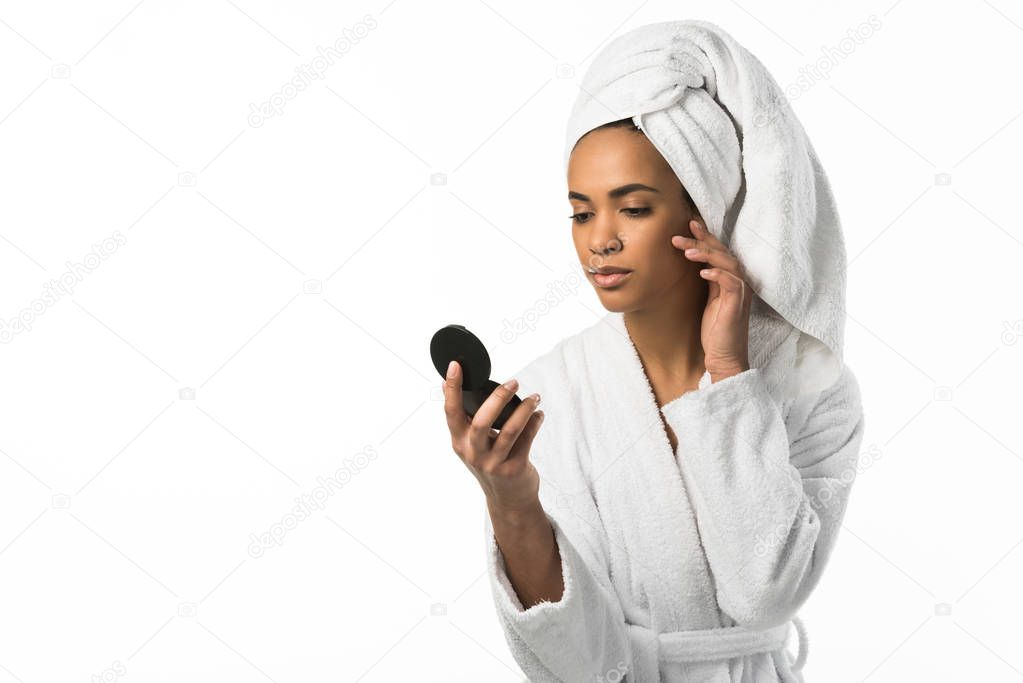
[(626, 204)]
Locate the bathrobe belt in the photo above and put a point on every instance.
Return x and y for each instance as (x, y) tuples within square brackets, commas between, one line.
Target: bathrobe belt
[(703, 645)]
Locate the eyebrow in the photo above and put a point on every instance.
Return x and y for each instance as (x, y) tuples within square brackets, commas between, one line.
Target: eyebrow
[(617, 192)]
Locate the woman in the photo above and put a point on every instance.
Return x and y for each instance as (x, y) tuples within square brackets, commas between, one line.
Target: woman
[(681, 504)]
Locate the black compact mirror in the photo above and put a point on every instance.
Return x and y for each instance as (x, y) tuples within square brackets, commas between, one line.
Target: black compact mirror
[(455, 342)]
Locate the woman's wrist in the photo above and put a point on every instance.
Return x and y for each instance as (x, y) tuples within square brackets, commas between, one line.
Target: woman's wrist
[(527, 542), (718, 374), (516, 516)]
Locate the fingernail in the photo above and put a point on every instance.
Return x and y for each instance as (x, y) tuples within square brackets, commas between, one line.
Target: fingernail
[(541, 414), (511, 385), (451, 369), (536, 397)]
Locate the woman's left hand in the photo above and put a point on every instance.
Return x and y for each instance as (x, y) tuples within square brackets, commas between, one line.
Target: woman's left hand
[(724, 330)]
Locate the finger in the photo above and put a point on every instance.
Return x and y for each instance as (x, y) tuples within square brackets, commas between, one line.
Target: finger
[(732, 288), (683, 237), (692, 247), (519, 454), (702, 234), (714, 291), (483, 420), (719, 248), (514, 425), (454, 410), (694, 238), (717, 258), (681, 242)]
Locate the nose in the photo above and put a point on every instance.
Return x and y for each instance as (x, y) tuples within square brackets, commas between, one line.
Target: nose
[(604, 239), (599, 254)]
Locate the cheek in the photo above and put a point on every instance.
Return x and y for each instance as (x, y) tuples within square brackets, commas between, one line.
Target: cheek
[(650, 242), (656, 229)]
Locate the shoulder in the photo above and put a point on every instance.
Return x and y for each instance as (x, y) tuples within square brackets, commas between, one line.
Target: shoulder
[(840, 391), (843, 394), (832, 416)]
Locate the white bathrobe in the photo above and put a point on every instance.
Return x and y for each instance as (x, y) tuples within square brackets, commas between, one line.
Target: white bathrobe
[(684, 566)]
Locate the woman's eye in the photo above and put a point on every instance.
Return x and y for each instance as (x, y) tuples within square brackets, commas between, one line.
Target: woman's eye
[(631, 212), (639, 211)]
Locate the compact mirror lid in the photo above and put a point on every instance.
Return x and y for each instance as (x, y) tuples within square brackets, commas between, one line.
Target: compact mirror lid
[(455, 342)]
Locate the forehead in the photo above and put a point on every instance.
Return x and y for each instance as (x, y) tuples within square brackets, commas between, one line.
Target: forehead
[(612, 157)]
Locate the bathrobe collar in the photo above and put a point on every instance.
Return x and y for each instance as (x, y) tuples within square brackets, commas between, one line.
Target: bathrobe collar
[(630, 453)]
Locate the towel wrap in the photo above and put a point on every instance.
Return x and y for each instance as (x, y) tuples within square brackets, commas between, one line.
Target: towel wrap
[(702, 645)]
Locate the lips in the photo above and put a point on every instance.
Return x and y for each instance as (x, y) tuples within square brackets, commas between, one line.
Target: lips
[(611, 279)]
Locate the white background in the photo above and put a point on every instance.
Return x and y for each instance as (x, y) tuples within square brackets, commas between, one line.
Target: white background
[(291, 274)]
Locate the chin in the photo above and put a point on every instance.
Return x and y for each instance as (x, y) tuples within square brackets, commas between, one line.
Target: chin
[(615, 302)]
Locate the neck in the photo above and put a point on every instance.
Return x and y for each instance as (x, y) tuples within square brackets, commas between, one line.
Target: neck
[(667, 338)]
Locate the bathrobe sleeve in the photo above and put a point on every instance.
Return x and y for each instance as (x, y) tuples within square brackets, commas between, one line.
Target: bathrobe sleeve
[(583, 635), (769, 497)]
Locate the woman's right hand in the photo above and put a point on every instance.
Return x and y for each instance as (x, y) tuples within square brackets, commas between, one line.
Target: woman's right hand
[(498, 459)]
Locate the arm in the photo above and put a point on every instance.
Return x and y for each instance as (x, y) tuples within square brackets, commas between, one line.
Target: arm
[(768, 506), (532, 560), (583, 633)]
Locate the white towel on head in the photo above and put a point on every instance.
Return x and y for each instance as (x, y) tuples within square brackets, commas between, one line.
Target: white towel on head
[(724, 126)]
